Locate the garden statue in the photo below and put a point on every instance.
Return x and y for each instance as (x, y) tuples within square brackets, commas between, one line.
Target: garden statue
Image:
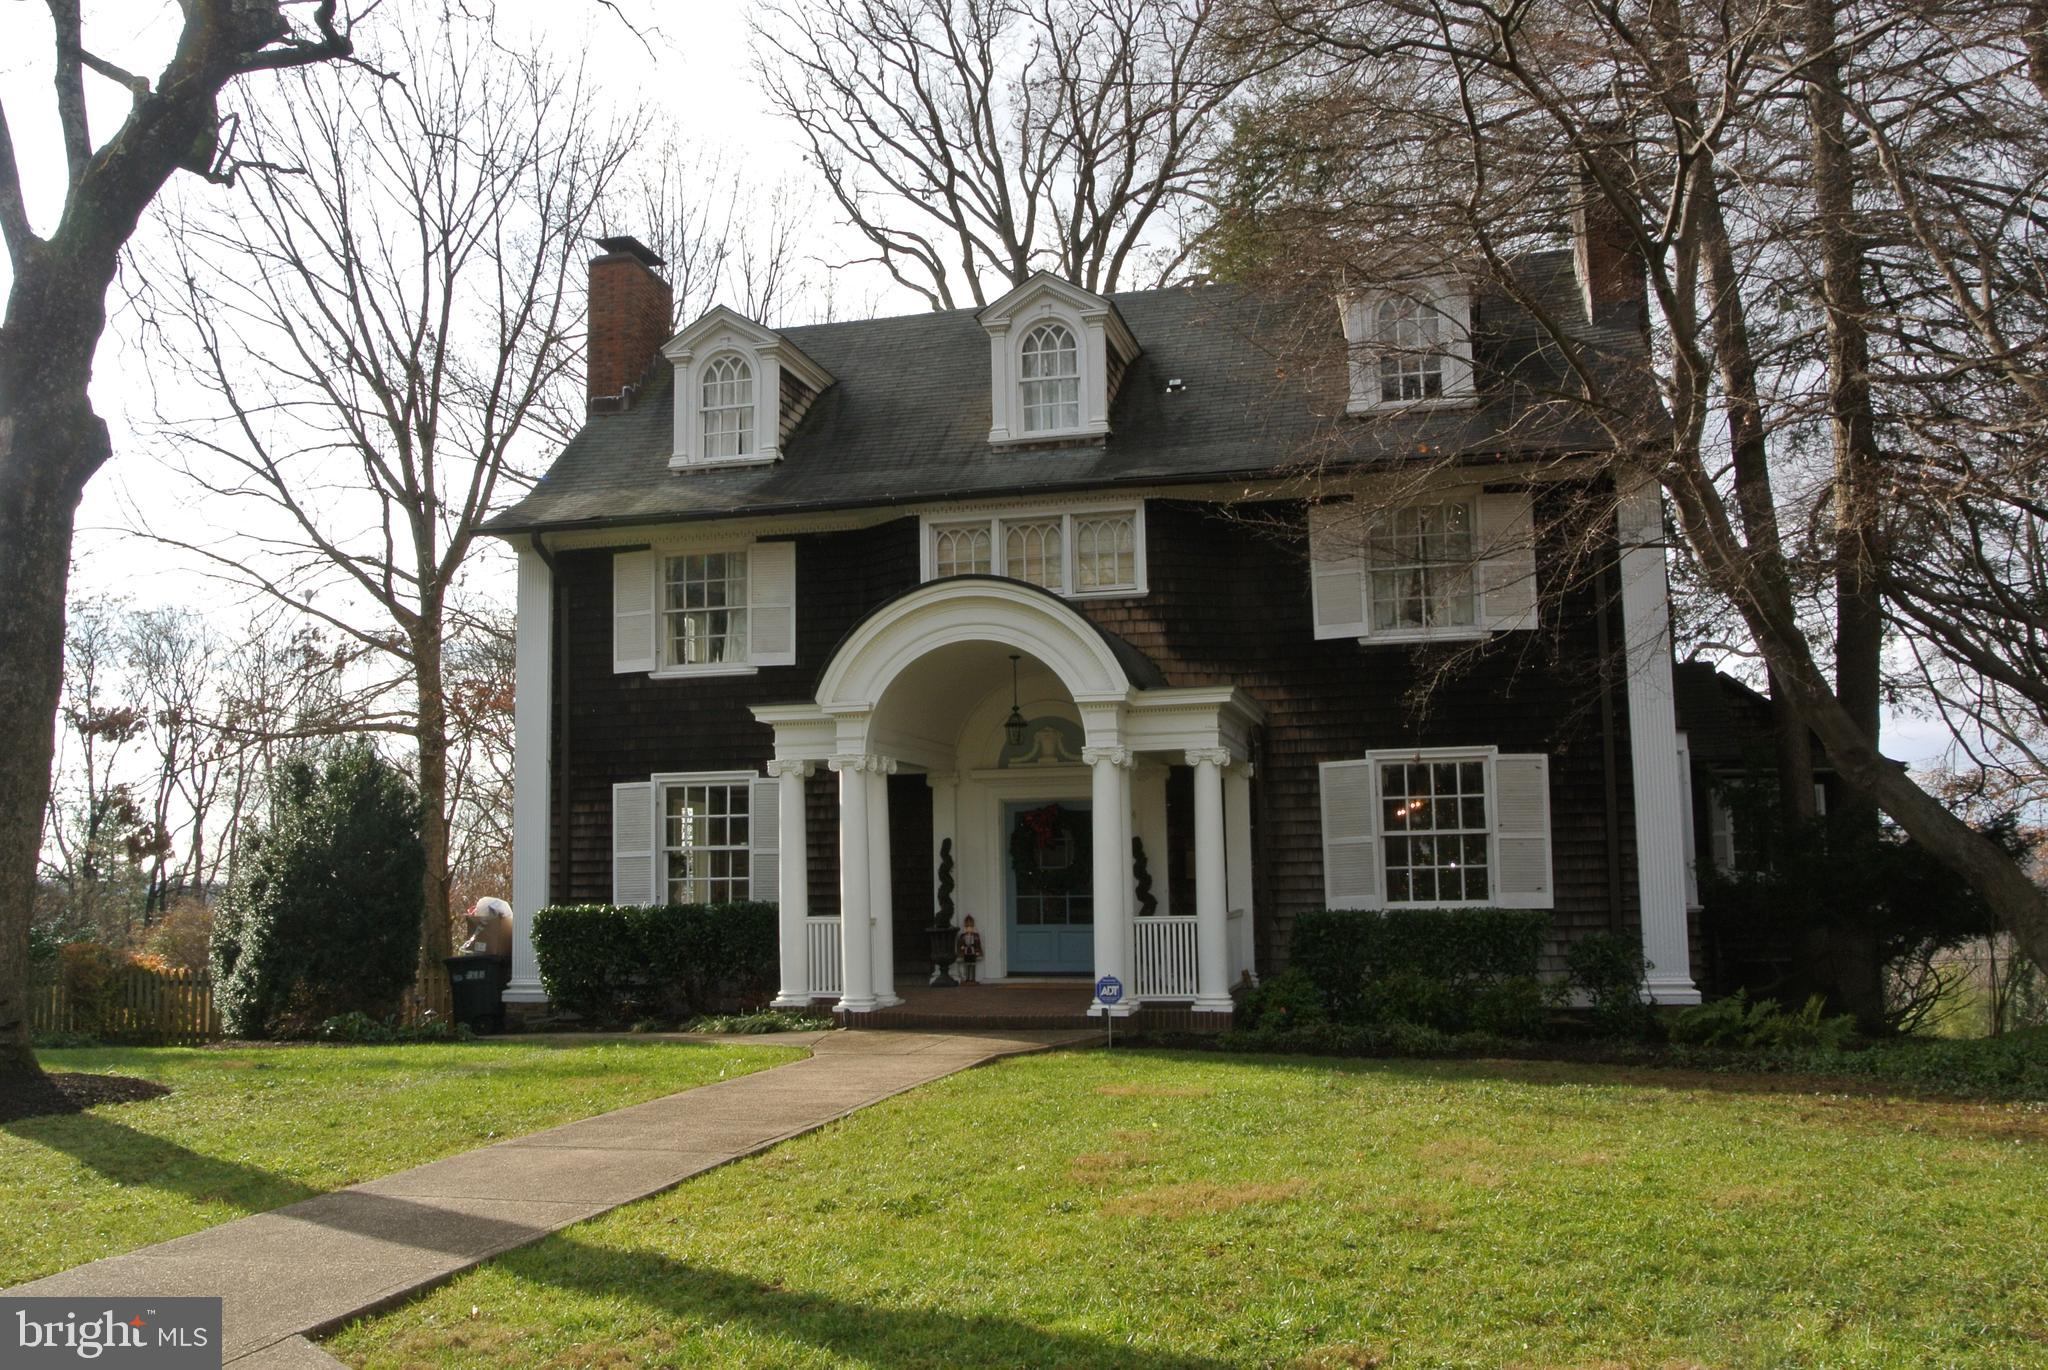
[(490, 929), (968, 950)]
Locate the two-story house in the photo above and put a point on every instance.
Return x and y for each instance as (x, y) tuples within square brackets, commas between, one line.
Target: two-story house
[(1107, 612)]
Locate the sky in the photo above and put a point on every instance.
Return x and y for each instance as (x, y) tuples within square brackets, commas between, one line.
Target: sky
[(688, 58)]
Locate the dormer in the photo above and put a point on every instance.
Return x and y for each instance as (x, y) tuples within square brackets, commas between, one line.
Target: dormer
[(740, 389), (1056, 356), (1410, 343)]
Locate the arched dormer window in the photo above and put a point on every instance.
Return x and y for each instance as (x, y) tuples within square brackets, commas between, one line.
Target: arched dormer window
[(727, 408), (1049, 374), (1410, 344), (1411, 355)]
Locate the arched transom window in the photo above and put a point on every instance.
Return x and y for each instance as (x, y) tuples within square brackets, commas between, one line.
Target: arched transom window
[(1410, 346), (727, 408), (1050, 372)]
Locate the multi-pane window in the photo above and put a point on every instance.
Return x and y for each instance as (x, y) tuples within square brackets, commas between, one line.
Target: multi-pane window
[(1091, 553), (1105, 552), (1407, 334), (727, 409), (1050, 374), (964, 551), (705, 842), (1034, 550), (1420, 557), (704, 608), (1434, 829)]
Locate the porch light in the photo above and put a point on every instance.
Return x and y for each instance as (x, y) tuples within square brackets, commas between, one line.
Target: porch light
[(1014, 725)]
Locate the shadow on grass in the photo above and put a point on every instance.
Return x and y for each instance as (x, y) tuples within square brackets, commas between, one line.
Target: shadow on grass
[(137, 1159), (846, 1330)]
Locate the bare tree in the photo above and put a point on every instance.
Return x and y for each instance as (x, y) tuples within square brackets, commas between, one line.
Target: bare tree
[(380, 322), (971, 142), (1834, 375), (51, 438)]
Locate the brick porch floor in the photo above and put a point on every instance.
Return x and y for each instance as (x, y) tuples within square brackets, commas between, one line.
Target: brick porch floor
[(1017, 1005)]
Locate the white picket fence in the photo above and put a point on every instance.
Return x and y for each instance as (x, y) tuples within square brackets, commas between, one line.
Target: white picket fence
[(821, 954), (1163, 959)]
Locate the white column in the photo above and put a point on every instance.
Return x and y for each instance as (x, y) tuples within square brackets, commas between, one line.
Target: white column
[(793, 882), (1111, 818), (857, 969), (881, 887), (1237, 841), (532, 745), (1653, 746), (1212, 924)]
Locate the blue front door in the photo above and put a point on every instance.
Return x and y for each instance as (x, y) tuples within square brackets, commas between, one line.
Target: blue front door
[(1052, 905)]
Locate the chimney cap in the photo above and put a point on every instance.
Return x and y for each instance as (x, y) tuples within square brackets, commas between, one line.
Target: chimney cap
[(626, 246)]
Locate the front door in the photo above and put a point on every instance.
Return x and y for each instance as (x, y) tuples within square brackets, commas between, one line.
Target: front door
[(1051, 884)]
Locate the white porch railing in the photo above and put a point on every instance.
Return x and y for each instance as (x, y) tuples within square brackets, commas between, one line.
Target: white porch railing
[(1163, 957), (821, 954)]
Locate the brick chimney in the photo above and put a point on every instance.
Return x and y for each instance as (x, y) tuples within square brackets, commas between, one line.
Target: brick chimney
[(629, 321), (1607, 259)]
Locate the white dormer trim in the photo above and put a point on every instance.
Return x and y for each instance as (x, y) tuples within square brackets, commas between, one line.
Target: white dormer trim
[(721, 332), (1100, 335), (1446, 302)]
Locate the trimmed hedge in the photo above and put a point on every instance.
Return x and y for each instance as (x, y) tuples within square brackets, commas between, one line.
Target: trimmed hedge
[(622, 963), (1380, 965)]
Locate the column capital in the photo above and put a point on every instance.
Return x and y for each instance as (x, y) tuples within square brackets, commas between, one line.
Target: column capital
[(881, 765), (1115, 756), (802, 770), (1215, 756), (1241, 770)]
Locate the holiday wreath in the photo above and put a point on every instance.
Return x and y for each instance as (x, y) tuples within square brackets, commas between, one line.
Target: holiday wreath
[(1049, 851)]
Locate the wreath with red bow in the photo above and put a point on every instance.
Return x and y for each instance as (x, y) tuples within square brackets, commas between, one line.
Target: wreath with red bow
[(1040, 833)]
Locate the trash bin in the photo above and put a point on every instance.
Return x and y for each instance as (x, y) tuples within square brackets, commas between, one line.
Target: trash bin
[(477, 988)]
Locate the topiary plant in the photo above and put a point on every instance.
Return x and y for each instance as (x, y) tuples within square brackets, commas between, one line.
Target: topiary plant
[(324, 917)]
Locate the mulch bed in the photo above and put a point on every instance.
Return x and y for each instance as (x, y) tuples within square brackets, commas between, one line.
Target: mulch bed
[(71, 1092)]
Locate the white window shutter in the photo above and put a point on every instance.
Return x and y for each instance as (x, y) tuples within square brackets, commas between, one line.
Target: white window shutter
[(1521, 826), (1455, 305), (633, 843), (771, 609), (633, 616), (1507, 566), (1336, 570), (764, 824), (1351, 859)]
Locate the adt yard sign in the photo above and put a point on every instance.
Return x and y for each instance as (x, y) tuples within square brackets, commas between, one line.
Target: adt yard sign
[(1108, 990)]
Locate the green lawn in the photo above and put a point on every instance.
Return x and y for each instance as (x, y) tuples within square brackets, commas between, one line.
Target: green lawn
[(253, 1129), (1150, 1210)]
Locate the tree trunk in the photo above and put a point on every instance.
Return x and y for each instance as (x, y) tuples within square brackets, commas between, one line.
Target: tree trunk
[(432, 738), (39, 494)]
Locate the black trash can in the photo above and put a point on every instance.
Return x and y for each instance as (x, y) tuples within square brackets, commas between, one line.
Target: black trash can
[(477, 988)]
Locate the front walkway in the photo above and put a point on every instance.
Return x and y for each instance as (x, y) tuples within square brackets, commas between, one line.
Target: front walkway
[(306, 1269)]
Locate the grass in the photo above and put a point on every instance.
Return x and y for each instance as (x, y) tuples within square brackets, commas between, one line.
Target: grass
[(245, 1130), (1152, 1209)]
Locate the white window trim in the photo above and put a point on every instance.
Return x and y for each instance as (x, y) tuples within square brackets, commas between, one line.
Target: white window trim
[(661, 781), (1350, 556), (1467, 495), (1006, 365), (1451, 298), (929, 524), (662, 557), (753, 406), (1428, 755)]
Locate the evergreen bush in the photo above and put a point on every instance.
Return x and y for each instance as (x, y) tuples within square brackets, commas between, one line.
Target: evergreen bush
[(324, 916), (624, 963), (1434, 968)]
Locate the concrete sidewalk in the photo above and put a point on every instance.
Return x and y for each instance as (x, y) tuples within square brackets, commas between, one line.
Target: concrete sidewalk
[(306, 1269)]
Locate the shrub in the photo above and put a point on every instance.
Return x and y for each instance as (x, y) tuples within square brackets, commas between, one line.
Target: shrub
[(1345, 950), (1287, 1000), (324, 916), (1518, 1007), (181, 938), (766, 1020), (1608, 968), (1736, 1022), (359, 1027), (619, 963), (91, 975)]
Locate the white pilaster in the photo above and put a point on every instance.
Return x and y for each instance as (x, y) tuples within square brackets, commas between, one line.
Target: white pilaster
[(1111, 818), (1237, 842), (532, 769), (793, 878), (1212, 926), (1653, 745), (857, 970), (881, 886)]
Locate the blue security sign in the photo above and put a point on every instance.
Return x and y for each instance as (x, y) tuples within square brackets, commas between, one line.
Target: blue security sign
[(1108, 990)]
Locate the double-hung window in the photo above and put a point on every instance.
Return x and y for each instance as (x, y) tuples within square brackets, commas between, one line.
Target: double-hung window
[(1449, 564), (1421, 557), (1049, 375), (695, 838), (1437, 826), (691, 611), (727, 409), (1083, 552), (1410, 345)]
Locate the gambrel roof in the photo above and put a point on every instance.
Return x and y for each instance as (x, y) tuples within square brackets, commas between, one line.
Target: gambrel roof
[(1217, 393)]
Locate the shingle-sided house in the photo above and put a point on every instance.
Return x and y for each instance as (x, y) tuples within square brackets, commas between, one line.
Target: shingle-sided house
[(1036, 599)]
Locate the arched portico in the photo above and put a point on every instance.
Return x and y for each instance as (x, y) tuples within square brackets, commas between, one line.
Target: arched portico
[(923, 685)]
